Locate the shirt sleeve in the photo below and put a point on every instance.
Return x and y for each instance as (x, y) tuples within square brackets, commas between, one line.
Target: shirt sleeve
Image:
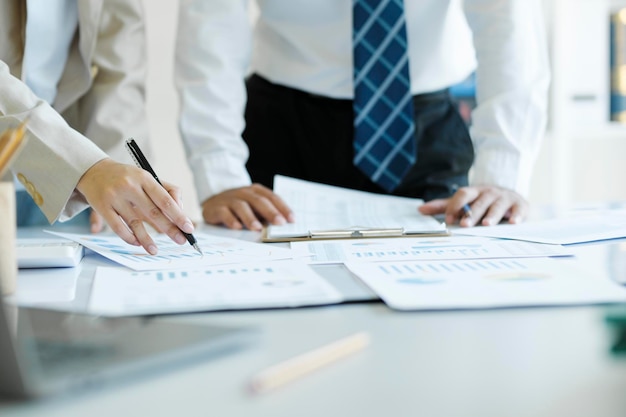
[(54, 157), (213, 48), (512, 81)]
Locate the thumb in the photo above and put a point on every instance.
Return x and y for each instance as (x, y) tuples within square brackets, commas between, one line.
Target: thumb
[(437, 206)]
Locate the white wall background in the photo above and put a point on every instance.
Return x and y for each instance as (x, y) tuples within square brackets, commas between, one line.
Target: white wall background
[(169, 158)]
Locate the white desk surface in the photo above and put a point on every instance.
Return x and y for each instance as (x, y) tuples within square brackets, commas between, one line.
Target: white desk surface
[(506, 362)]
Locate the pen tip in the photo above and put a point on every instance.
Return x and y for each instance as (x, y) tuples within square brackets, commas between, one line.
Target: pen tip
[(196, 247)]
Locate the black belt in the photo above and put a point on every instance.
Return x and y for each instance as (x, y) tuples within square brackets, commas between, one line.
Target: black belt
[(418, 98)]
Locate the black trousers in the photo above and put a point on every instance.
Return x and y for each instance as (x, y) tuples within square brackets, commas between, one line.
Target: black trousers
[(301, 135)]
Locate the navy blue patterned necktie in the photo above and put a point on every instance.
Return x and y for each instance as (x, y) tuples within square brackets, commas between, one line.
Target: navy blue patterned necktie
[(384, 142)]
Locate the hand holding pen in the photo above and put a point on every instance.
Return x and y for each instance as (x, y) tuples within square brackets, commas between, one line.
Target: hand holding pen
[(142, 162), (127, 197), (465, 214), (483, 205)]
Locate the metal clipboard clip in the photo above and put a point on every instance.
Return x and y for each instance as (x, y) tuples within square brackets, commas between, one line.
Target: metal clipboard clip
[(355, 233)]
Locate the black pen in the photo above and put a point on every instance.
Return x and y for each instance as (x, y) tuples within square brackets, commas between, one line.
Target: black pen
[(467, 210), (142, 162)]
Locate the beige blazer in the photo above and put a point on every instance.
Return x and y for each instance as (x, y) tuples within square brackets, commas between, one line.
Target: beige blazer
[(101, 96)]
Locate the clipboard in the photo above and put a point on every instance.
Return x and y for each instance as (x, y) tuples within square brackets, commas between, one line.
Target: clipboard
[(352, 233), (329, 212)]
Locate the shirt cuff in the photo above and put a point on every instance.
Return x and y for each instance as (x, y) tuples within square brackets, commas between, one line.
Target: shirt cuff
[(503, 169), (216, 173)]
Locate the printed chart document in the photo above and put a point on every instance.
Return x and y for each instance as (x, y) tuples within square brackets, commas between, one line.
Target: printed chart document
[(290, 283), (562, 231), (328, 212), (435, 248), (471, 284), (217, 251)]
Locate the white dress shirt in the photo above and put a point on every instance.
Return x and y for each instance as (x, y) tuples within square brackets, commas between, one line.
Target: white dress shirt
[(50, 28), (307, 45)]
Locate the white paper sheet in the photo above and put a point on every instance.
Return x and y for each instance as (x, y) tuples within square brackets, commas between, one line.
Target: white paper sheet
[(435, 248), (320, 207), (561, 231), (493, 283), (217, 251), (119, 292)]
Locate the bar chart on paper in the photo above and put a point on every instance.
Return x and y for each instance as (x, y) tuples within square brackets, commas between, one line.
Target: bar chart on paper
[(485, 283), (118, 291), (217, 251), (438, 248)]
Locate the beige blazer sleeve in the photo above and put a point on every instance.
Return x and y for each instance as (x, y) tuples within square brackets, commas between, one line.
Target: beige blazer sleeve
[(55, 155), (100, 94), (112, 107)]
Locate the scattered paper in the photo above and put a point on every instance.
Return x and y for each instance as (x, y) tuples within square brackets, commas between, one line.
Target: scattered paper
[(560, 231), (435, 248), (119, 292), (217, 251), (491, 283)]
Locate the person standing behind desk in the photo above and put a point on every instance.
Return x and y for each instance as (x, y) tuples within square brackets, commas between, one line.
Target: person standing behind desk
[(87, 59), (300, 107)]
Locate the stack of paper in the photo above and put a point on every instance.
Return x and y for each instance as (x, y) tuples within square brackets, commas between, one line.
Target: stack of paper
[(326, 212)]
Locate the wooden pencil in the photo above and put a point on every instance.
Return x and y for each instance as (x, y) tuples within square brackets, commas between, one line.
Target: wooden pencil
[(306, 363), (11, 141)]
